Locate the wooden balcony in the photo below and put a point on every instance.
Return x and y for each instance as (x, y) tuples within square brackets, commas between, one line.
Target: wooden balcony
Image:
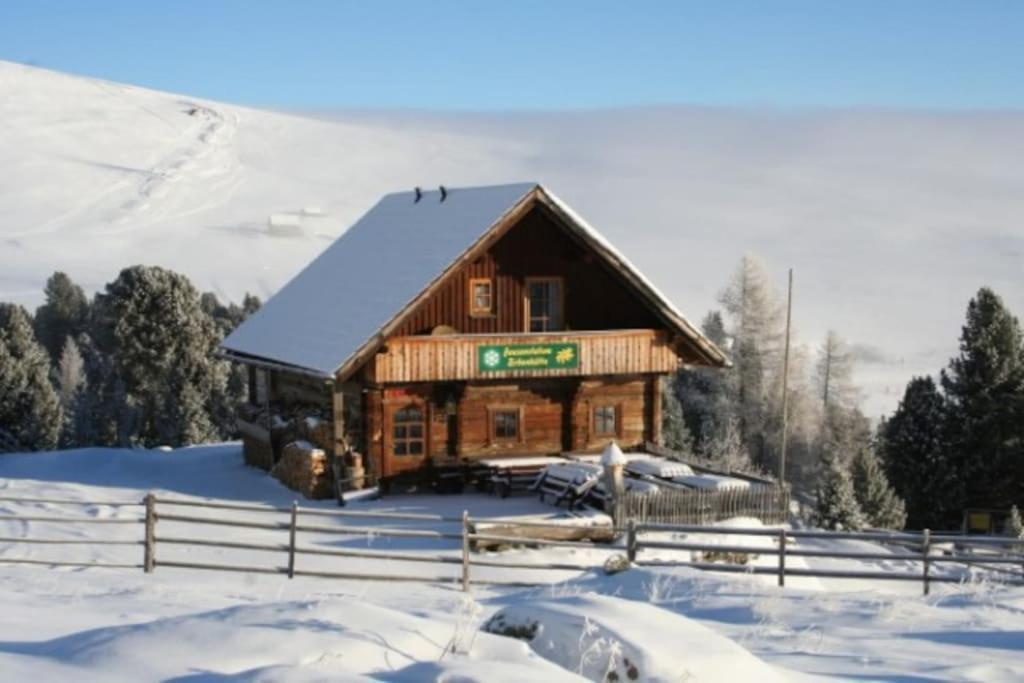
[(532, 355)]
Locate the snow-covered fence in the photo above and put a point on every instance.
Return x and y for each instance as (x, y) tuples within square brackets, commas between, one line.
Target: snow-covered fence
[(915, 547), (769, 504), (312, 542), (68, 523), (295, 523)]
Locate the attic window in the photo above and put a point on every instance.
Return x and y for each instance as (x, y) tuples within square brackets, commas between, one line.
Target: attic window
[(481, 296)]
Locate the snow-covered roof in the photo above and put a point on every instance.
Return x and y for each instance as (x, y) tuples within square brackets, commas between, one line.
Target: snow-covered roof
[(338, 306)]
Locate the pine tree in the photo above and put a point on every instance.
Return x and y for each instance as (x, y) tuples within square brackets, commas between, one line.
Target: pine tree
[(916, 456), (703, 393), (65, 314), (881, 506), (161, 344), (837, 506), (29, 407), (984, 386), (674, 432)]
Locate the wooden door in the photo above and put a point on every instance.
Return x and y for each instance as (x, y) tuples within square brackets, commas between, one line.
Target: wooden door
[(406, 437)]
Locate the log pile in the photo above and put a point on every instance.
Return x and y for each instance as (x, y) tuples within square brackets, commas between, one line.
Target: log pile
[(304, 468), (318, 432)]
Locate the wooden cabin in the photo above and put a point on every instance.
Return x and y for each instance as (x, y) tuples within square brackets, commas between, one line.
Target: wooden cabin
[(447, 327)]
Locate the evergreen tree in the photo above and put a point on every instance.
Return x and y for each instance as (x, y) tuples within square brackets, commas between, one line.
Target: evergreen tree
[(703, 393), (65, 314), (674, 432), (916, 456), (837, 506), (881, 506), (29, 407), (166, 382), (984, 386)]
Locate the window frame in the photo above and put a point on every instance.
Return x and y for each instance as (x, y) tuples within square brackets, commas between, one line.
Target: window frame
[(406, 440), (492, 424), (616, 416), (527, 313), (474, 310)]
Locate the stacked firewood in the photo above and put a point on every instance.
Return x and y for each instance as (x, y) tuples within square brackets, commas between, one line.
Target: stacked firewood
[(318, 432), (304, 468)]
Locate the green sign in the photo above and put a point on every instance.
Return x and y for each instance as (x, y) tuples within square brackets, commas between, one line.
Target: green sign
[(504, 357)]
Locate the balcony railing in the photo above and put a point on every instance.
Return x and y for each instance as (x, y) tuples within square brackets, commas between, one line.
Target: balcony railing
[(549, 354)]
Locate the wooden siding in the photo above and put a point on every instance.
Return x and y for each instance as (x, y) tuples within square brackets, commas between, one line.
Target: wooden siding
[(542, 408), (433, 359), (630, 396), (595, 297)]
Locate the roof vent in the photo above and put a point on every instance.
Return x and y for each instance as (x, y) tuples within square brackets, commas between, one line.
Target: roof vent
[(419, 195), (444, 192)]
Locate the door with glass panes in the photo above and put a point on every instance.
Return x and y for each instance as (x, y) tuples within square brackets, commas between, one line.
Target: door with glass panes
[(406, 437)]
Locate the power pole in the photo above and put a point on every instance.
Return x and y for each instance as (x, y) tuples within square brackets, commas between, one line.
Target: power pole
[(785, 383)]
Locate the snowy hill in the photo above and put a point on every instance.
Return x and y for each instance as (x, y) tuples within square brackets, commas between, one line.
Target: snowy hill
[(892, 220)]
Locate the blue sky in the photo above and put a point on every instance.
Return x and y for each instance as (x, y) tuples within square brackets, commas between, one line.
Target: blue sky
[(527, 54)]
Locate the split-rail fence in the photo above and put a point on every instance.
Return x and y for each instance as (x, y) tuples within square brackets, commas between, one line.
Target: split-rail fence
[(287, 527)]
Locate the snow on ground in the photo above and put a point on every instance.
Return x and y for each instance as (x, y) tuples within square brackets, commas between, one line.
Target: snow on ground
[(121, 624), (97, 176)]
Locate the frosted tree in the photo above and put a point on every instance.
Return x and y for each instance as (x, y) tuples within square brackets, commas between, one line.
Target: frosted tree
[(984, 388), (30, 412), (836, 506), (723, 449), (1014, 524), (882, 508), (916, 456), (71, 386), (834, 374), (65, 314), (161, 343), (757, 329), (70, 372)]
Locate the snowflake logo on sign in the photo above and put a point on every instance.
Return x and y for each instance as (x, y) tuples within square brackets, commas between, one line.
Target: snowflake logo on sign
[(492, 359)]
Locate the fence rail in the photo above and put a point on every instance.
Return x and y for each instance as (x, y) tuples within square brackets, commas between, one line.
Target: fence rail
[(639, 541)]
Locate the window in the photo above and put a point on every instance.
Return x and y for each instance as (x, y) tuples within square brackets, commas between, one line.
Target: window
[(605, 420), (481, 296), (506, 425), (544, 305), (407, 433)]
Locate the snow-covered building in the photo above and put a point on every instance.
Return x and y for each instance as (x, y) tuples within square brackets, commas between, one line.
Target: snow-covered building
[(450, 326)]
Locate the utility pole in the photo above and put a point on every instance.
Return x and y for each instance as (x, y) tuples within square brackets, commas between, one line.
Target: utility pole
[(785, 384)]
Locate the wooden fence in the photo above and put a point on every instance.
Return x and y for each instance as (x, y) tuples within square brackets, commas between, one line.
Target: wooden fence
[(770, 504), (284, 532)]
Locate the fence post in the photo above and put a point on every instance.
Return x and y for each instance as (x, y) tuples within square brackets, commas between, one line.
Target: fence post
[(291, 539), (926, 546), (782, 558), (149, 551), (465, 551), (631, 541)]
